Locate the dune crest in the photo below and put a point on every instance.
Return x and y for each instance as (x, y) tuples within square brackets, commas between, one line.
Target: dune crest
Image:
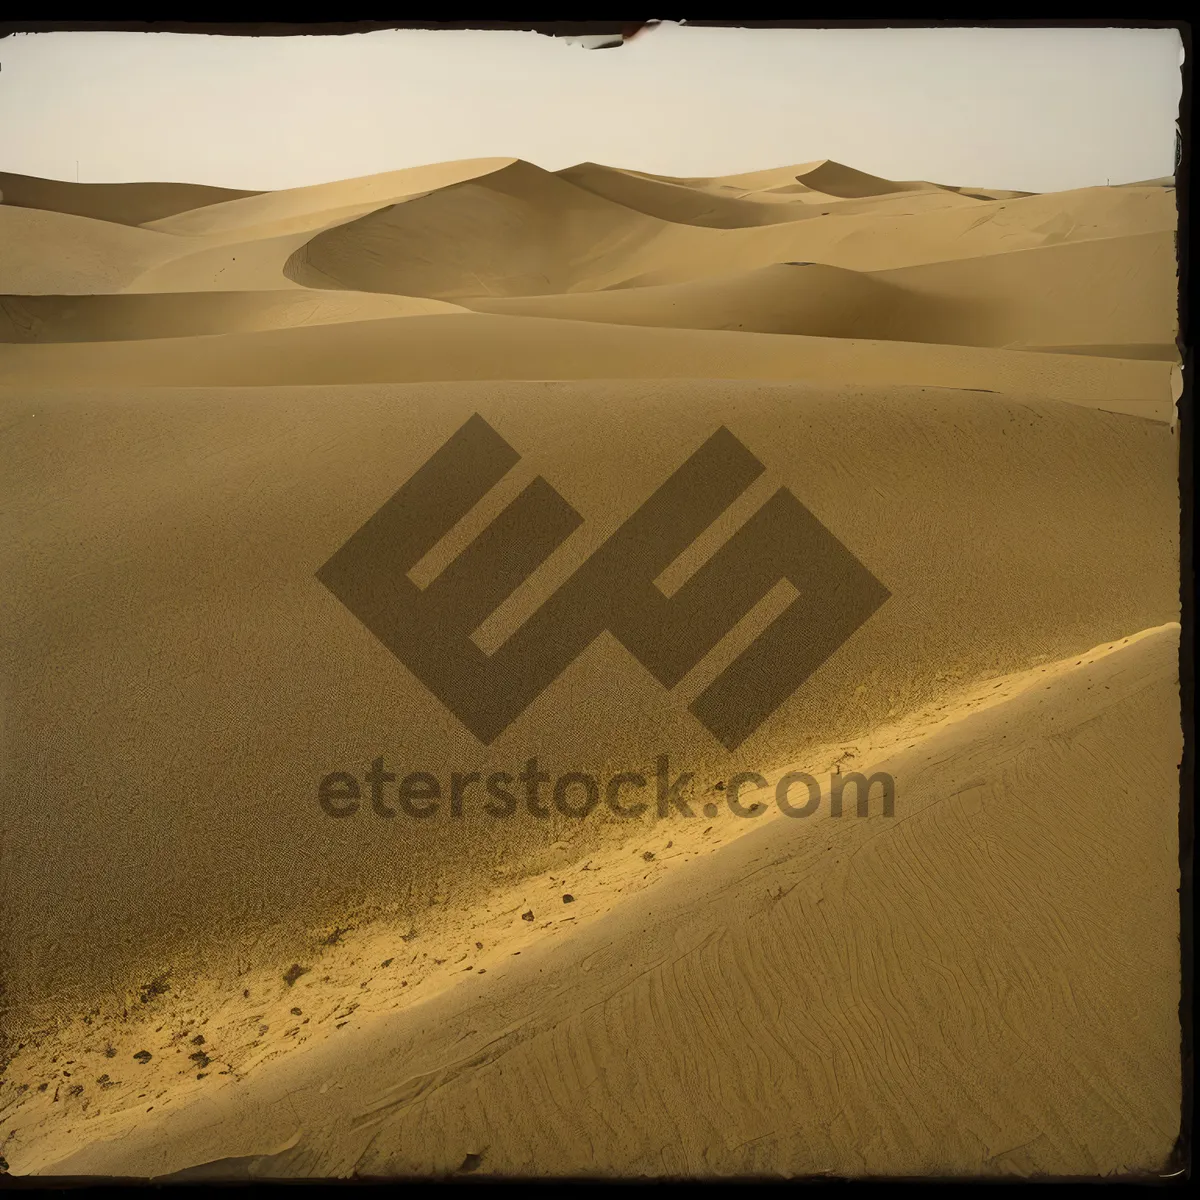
[(672, 200), (846, 183), (268, 213)]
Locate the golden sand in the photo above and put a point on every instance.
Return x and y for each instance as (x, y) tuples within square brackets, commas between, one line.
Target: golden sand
[(205, 393)]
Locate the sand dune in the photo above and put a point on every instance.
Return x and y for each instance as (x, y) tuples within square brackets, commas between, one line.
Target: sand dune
[(871, 241), (1119, 291), (79, 255), (726, 207), (220, 265), (205, 393), (521, 231), (193, 314), (808, 298), (676, 201), (827, 179), (477, 346), (1106, 291), (747, 183), (899, 204), (123, 203), (846, 183), (47, 252), (508, 228), (272, 213), (246, 244), (846, 191)]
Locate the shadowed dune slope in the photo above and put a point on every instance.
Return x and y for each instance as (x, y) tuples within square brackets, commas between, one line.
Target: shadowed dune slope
[(235, 244), (517, 231), (245, 245)]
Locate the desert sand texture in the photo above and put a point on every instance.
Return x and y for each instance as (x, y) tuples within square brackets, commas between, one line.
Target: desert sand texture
[(205, 393)]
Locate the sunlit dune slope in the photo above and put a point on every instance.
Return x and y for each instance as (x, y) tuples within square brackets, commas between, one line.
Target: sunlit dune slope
[(271, 213), (47, 252)]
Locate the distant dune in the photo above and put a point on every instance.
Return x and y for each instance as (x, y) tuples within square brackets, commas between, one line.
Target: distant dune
[(834, 179), (205, 392), (122, 203), (521, 231), (675, 200), (1042, 296)]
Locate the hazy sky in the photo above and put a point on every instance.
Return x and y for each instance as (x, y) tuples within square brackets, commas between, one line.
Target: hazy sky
[(1031, 109)]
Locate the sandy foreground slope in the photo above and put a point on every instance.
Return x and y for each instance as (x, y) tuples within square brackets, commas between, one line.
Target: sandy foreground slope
[(204, 393), (950, 990)]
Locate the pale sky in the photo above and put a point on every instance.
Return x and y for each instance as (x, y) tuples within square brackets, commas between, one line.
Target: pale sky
[(1029, 109)]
